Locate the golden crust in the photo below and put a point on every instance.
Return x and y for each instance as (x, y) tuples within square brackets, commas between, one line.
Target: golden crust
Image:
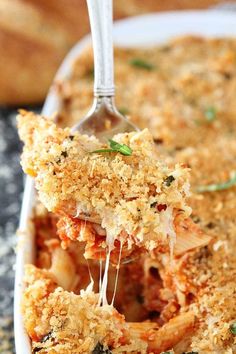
[(61, 322), (171, 101), (206, 277), (127, 195)]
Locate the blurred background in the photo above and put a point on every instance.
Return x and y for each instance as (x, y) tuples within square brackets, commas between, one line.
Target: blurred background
[(35, 35)]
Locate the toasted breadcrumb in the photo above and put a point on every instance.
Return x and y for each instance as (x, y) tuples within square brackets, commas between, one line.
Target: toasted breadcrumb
[(127, 195), (191, 74), (61, 322)]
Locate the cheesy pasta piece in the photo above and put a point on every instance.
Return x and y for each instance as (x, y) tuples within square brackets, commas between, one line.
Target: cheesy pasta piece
[(135, 200)]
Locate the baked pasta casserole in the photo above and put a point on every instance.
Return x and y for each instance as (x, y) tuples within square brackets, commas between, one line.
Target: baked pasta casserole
[(130, 258)]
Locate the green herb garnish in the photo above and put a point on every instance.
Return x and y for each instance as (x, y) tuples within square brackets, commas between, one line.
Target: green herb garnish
[(123, 110), (99, 349), (142, 64), (168, 180), (116, 147), (46, 337), (233, 328), (210, 114), (218, 186), (64, 154)]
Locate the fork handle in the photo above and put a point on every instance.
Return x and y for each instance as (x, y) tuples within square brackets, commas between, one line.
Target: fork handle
[(101, 18)]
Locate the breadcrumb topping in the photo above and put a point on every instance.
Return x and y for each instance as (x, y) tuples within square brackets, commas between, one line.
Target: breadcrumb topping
[(61, 322), (135, 195), (174, 101)]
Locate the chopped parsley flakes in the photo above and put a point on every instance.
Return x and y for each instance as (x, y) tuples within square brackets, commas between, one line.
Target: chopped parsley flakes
[(233, 328), (169, 180), (99, 349)]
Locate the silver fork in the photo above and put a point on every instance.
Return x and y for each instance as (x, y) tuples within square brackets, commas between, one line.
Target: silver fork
[(103, 119)]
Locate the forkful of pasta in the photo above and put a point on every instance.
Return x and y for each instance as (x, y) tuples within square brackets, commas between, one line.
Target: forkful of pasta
[(103, 178), (124, 200)]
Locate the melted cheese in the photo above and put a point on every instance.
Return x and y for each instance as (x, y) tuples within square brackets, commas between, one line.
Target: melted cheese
[(100, 274), (117, 275), (103, 291), (90, 287)]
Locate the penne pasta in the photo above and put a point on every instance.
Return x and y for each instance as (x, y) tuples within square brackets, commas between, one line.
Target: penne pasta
[(190, 236), (63, 268), (168, 335), (139, 328)]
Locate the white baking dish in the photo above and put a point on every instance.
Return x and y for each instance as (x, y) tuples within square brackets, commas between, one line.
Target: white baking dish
[(137, 31)]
